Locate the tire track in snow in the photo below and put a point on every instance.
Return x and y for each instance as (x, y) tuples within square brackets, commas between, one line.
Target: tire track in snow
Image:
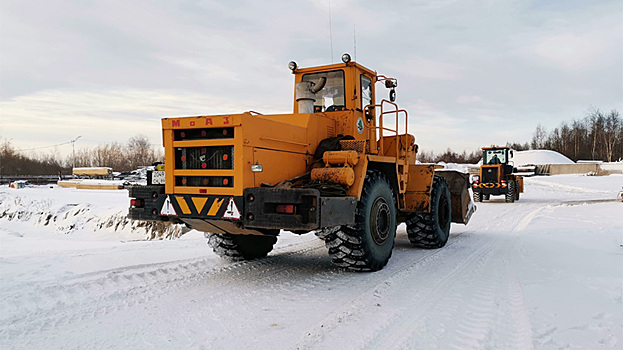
[(92, 295), (461, 293)]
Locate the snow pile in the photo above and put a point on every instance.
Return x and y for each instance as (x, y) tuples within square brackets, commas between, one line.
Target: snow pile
[(71, 211), (539, 157)]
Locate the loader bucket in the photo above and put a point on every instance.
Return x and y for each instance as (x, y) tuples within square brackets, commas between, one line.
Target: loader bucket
[(461, 201)]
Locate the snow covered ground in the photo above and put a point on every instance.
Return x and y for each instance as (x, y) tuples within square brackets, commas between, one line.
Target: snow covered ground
[(545, 272)]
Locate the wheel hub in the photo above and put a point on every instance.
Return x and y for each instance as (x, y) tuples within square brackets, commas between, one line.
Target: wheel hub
[(380, 219)]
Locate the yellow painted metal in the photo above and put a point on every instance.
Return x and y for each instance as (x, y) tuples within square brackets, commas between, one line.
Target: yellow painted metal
[(341, 175), (183, 205), (278, 166), (419, 187), (199, 202), (216, 205), (360, 175), (340, 158)]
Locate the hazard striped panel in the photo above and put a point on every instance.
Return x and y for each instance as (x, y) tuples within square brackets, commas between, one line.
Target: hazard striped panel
[(205, 207)]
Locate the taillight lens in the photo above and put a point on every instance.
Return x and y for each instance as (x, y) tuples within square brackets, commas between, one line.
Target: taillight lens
[(137, 203), (285, 208)]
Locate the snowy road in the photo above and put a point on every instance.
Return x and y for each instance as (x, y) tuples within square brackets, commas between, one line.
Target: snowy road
[(545, 272)]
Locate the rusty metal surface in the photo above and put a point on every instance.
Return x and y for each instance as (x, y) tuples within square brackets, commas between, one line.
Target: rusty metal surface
[(461, 202), (339, 175)]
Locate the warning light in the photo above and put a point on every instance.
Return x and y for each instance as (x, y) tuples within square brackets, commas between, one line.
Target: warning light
[(224, 131), (225, 157), (225, 182), (182, 134), (204, 165), (184, 181), (183, 158), (203, 133)]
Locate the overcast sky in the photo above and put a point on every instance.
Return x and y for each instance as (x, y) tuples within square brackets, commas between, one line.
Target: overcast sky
[(470, 73)]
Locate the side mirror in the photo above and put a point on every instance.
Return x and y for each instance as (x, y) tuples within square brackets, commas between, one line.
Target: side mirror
[(392, 95)]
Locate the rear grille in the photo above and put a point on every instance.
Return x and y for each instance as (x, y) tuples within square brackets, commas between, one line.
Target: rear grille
[(490, 175), (204, 181), (212, 157), (203, 134)]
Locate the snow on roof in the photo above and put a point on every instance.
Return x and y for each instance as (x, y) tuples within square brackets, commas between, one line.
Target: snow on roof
[(537, 157)]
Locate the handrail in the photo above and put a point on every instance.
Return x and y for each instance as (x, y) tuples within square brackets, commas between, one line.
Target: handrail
[(380, 148)]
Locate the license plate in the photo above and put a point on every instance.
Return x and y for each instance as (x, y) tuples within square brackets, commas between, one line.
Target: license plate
[(157, 177)]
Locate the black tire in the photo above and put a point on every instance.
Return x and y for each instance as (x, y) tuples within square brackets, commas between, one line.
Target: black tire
[(486, 197), (367, 246), (477, 196), (516, 190), (510, 192), (431, 230), (241, 247)]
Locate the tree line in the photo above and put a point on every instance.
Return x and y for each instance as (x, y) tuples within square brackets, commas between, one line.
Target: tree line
[(136, 153), (597, 136)]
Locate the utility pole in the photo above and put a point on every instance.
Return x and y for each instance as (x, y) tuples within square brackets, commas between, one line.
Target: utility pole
[(73, 150)]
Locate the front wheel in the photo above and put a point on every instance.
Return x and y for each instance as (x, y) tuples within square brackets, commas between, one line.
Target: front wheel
[(367, 246), (431, 230), (516, 190)]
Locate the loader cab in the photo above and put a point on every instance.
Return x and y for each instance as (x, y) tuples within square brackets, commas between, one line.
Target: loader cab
[(491, 156), (348, 86), (497, 157)]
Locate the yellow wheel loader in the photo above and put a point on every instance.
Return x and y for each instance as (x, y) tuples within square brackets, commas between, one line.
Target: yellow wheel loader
[(495, 176), (338, 166)]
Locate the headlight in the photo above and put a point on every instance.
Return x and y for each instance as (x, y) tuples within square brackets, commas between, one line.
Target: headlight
[(345, 58), (292, 65)]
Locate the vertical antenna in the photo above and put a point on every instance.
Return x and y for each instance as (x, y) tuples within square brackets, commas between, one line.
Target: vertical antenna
[(330, 31), (355, 40)]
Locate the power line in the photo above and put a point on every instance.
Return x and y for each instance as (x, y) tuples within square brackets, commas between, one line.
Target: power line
[(35, 148)]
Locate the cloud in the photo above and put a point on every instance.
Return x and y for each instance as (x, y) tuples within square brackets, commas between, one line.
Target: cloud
[(52, 117), (426, 69)]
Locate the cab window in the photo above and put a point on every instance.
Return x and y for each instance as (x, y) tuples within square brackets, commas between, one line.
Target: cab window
[(331, 97), (366, 91), (494, 156)]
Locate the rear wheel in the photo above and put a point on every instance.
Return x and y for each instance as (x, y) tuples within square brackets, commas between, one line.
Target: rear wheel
[(510, 192), (431, 230), (486, 197), (241, 247), (367, 246)]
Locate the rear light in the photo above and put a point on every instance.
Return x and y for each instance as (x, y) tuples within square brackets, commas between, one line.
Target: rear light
[(137, 203), (285, 208), (503, 181), (476, 181)]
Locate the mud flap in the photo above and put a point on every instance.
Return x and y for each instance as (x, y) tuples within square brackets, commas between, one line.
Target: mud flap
[(461, 201)]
